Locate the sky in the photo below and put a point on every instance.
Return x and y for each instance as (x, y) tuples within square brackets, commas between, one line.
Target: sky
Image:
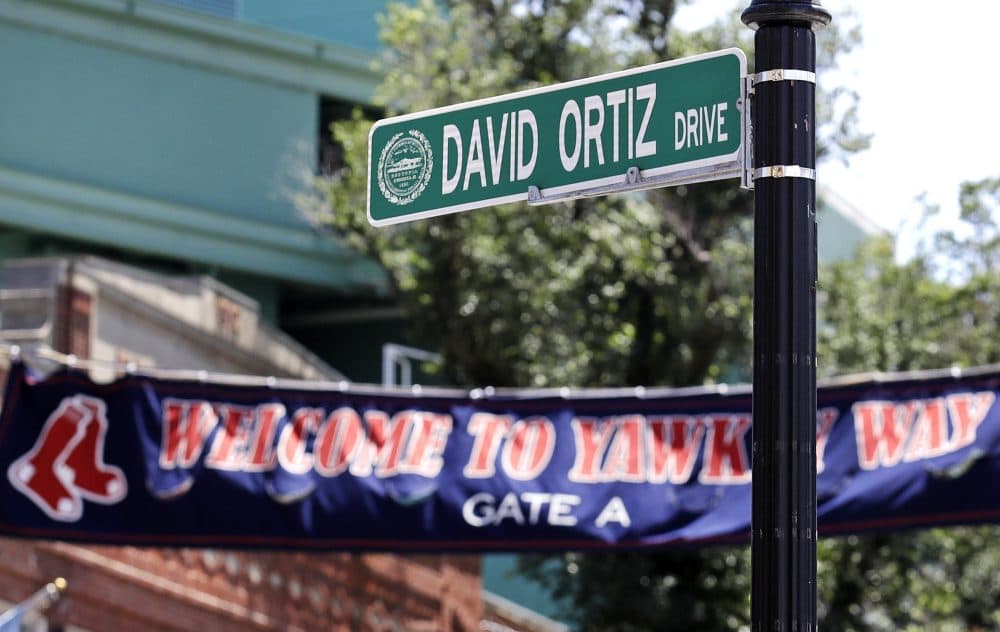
[(930, 93)]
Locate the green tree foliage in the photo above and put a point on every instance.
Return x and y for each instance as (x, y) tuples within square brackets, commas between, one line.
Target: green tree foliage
[(939, 308), (647, 288), (626, 289), (654, 288)]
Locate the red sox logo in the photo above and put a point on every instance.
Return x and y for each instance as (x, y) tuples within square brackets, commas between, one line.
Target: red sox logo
[(66, 464)]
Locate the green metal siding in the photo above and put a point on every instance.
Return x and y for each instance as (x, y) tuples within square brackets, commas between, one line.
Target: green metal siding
[(343, 21), (218, 8), (144, 126), (152, 130)]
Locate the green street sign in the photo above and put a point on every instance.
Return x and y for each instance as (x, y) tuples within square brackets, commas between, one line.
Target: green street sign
[(670, 123)]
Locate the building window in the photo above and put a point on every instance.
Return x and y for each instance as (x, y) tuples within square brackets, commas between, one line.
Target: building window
[(330, 155)]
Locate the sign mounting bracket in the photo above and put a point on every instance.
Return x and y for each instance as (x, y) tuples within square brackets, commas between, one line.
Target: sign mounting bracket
[(747, 90), (746, 153)]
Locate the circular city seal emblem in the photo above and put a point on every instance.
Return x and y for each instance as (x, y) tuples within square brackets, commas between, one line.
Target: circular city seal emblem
[(404, 167)]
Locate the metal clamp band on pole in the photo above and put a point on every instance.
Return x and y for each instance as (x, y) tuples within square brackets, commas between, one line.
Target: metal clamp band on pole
[(784, 171), (784, 74)]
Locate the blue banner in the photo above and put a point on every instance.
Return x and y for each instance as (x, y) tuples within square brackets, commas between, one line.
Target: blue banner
[(174, 462)]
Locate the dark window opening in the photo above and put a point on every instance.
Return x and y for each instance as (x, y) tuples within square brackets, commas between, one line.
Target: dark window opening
[(330, 155)]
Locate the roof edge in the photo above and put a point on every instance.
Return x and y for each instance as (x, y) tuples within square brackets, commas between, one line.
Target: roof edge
[(237, 48), (88, 213), (850, 212)]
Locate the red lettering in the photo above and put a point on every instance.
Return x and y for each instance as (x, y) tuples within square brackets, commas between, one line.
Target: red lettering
[(383, 444), (968, 411), (672, 459), (624, 461), (292, 453), (528, 448), (426, 447), (881, 429), (338, 441), (489, 431), (186, 426), (726, 461), (262, 458), (227, 452), (390, 440), (825, 418), (930, 432), (592, 438)]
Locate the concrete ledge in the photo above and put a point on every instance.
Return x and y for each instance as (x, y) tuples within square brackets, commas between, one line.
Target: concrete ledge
[(87, 213)]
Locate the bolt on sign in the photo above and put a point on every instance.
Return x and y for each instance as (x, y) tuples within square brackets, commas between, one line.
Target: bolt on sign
[(670, 123)]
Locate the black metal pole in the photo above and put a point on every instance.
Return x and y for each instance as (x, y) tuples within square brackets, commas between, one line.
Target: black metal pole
[(783, 553)]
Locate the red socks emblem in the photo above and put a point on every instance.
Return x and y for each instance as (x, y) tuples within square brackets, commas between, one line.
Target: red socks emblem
[(66, 464)]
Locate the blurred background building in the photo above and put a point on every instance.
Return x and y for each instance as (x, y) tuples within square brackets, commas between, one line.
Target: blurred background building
[(151, 155)]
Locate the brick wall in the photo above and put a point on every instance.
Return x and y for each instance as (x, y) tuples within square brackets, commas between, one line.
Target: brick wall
[(129, 588), (124, 588)]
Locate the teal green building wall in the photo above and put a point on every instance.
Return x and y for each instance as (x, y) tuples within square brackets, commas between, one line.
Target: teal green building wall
[(157, 135), (348, 22), (150, 127)]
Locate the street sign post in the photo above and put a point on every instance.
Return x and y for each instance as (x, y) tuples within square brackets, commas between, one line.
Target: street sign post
[(783, 504), (670, 123)]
